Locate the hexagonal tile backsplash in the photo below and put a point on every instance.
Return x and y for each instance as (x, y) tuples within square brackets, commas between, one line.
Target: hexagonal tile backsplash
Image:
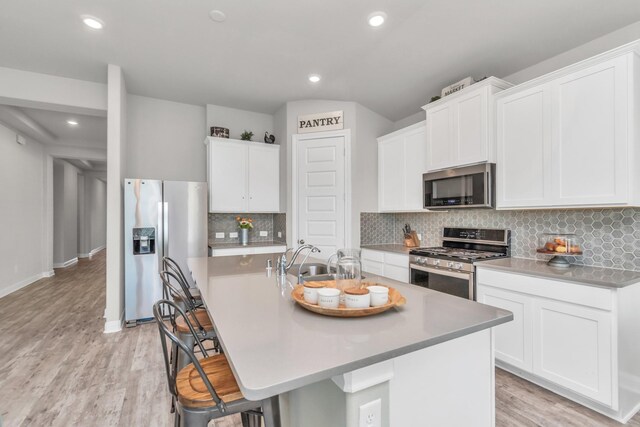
[(610, 237)]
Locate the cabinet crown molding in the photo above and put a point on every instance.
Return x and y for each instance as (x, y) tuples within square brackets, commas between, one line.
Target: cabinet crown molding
[(210, 139), (489, 81), (633, 47), (417, 126)]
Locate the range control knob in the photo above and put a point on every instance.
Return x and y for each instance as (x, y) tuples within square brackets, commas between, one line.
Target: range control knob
[(449, 264), (420, 261), (436, 262), (458, 266)]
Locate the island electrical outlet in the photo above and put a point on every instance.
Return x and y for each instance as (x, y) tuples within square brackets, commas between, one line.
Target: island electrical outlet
[(371, 414)]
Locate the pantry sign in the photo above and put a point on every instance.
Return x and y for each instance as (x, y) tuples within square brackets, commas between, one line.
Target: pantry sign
[(333, 120)]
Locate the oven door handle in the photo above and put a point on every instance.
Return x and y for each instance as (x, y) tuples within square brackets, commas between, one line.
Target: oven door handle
[(464, 276)]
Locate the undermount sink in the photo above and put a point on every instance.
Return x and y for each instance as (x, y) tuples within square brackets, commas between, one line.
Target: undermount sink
[(310, 269)]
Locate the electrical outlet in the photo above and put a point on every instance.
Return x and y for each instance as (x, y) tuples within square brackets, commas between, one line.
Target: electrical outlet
[(264, 233), (371, 414), (233, 234), (219, 235), (280, 234), (419, 236)]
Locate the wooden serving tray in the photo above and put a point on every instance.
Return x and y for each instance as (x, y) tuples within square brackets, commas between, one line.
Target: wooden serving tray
[(395, 299)]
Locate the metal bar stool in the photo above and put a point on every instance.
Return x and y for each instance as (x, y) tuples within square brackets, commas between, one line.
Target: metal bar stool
[(206, 389), (193, 294), (196, 316)]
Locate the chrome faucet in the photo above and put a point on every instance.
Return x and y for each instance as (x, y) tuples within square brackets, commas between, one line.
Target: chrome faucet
[(283, 266)]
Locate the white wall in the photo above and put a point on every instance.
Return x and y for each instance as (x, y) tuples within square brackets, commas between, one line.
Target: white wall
[(65, 213), (116, 165), (21, 212), (370, 126), (165, 140), (237, 121), (609, 41), (92, 214)]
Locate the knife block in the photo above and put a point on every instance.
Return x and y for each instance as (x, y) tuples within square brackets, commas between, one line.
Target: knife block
[(411, 240)]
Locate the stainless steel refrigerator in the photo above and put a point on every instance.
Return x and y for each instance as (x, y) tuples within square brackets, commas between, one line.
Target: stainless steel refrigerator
[(161, 218)]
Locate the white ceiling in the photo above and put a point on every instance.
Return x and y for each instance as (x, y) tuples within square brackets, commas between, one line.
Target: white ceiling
[(51, 127), (261, 56)]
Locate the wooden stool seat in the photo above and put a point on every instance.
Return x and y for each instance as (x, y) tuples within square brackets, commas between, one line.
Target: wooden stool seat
[(193, 393), (203, 319)]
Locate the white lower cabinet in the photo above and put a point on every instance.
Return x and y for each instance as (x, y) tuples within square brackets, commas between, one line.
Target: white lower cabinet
[(562, 333), (513, 339), (391, 265), (572, 347)]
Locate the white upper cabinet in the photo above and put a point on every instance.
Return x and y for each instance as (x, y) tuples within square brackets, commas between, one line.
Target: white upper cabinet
[(401, 163), (460, 126), (570, 138), (243, 176)]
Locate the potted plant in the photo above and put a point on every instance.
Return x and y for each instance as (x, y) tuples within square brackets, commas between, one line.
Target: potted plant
[(244, 224), (246, 135)]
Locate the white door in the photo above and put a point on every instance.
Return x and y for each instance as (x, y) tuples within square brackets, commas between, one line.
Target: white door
[(512, 339), (391, 157), (590, 135), (415, 164), (228, 176), (524, 149), (264, 178), (572, 347), (470, 129), (440, 144), (321, 192)]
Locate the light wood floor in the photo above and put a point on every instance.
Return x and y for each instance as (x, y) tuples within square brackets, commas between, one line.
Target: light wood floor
[(57, 368)]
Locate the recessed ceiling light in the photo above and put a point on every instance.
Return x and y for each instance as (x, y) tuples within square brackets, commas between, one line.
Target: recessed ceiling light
[(377, 18), (314, 78), (72, 123), (217, 15), (92, 22)]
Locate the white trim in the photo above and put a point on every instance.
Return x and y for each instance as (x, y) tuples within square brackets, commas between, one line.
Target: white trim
[(295, 139), (49, 273), (21, 284), (93, 252), (113, 325), (66, 263), (363, 378)]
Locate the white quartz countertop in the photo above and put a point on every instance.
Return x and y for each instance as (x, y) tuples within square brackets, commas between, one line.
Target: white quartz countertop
[(581, 274), (391, 247), (275, 346), (216, 245)]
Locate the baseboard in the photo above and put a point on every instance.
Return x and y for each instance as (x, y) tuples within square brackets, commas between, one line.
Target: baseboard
[(96, 250), (66, 263), (113, 325), (82, 256), (21, 284), (49, 273)]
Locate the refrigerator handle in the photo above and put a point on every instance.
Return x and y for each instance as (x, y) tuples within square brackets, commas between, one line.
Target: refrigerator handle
[(165, 229), (160, 238)]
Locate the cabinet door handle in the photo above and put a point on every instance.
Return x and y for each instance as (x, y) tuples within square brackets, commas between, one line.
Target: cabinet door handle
[(301, 241)]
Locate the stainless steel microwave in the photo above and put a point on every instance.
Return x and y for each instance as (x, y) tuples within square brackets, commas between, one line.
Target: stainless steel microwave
[(463, 187)]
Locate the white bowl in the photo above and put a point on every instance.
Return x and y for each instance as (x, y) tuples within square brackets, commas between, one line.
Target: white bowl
[(357, 301), (329, 297), (379, 295), (311, 294)]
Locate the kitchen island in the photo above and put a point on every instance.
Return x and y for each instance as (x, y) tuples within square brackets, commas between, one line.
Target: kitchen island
[(429, 362)]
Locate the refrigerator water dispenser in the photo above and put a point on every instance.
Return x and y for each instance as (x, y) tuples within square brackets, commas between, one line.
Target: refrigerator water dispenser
[(144, 241)]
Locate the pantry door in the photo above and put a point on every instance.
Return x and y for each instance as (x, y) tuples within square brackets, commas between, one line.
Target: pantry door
[(320, 190)]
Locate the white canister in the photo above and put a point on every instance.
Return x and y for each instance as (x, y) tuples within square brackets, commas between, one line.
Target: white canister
[(311, 291), (357, 298), (379, 295), (328, 297)]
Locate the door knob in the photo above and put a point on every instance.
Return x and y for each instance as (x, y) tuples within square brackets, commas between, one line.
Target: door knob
[(301, 241)]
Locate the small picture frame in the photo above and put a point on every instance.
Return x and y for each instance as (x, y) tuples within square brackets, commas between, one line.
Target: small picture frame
[(219, 132)]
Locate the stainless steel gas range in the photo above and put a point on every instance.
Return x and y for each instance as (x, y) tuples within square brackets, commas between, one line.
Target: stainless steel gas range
[(449, 268)]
